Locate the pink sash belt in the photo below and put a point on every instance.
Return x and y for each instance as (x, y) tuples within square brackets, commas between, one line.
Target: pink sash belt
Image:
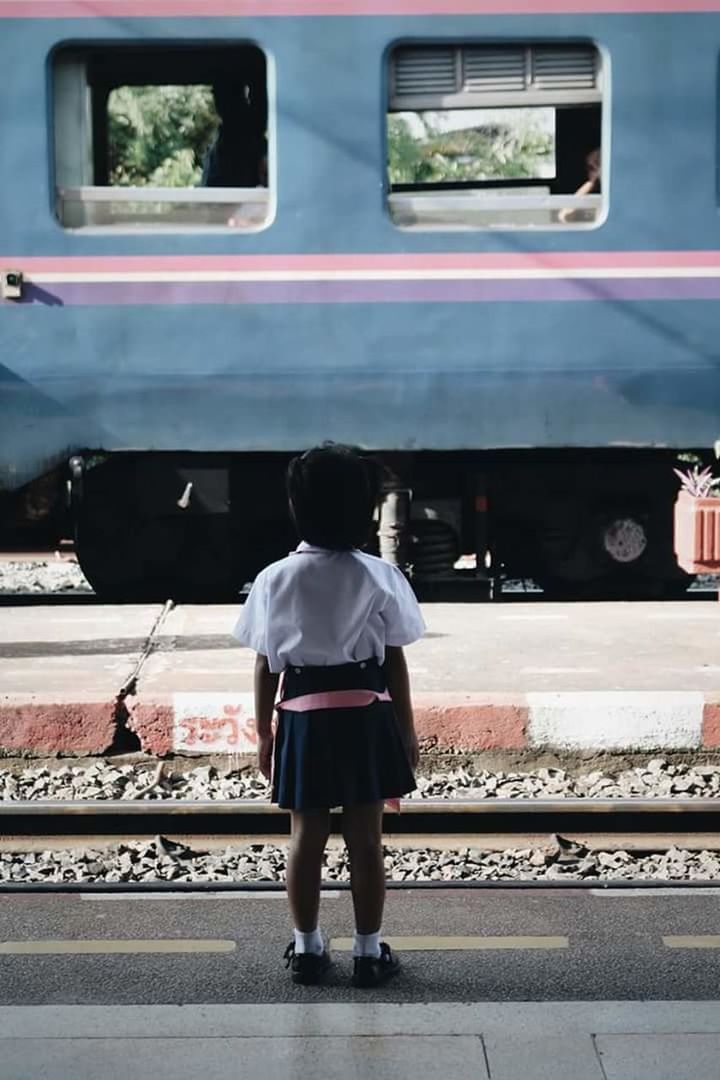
[(334, 699), (339, 699)]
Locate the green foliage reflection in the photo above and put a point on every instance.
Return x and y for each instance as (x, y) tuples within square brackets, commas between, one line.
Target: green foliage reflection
[(422, 152), (158, 135)]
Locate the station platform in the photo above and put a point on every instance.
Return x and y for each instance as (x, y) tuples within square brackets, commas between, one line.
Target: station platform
[(507, 676), (555, 1041), (498, 984)]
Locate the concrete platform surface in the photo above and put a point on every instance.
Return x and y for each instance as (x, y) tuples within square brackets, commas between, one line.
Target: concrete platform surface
[(455, 945), (628, 1040), (606, 676), (541, 985)]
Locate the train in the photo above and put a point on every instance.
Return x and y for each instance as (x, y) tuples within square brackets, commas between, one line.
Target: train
[(473, 237)]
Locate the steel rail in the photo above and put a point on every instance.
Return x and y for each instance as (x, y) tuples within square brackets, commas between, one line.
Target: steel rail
[(274, 887), (60, 598), (467, 818), (441, 806)]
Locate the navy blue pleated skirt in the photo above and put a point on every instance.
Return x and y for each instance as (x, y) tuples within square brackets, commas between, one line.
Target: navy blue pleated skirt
[(338, 757)]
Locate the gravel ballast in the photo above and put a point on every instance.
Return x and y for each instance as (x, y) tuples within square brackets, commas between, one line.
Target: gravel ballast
[(655, 778), (57, 575)]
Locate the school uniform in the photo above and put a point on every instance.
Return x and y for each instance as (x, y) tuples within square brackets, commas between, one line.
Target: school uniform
[(324, 618)]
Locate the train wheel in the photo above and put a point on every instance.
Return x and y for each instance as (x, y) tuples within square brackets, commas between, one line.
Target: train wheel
[(136, 541), (157, 560), (127, 556), (109, 550), (620, 551)]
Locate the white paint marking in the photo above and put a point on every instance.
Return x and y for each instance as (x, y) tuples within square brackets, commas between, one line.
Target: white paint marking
[(559, 670), (239, 895), (214, 722), (652, 892), (616, 719), (682, 616), (697, 669), (428, 273), (534, 617)]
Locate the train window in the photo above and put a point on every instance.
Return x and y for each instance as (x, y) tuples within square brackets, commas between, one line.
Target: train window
[(495, 136), (170, 138)]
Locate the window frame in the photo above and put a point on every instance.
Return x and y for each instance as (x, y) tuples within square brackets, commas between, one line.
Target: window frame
[(66, 150), (444, 197)]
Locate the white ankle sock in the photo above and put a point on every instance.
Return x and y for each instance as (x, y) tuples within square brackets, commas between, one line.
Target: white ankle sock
[(367, 944), (311, 942)]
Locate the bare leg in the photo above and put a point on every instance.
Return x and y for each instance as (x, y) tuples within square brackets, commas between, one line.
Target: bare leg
[(362, 829), (310, 830)]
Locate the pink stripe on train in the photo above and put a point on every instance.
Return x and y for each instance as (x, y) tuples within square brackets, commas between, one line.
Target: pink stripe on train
[(88, 9), (349, 261)]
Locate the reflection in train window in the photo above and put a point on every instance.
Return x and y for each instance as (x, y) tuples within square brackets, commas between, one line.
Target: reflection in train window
[(161, 138), (495, 136)]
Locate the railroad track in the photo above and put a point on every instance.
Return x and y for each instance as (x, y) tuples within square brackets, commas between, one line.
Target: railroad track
[(473, 819), (456, 589), (89, 599), (643, 827)]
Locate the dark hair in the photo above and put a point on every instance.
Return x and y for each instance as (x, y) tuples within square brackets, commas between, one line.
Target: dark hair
[(333, 492)]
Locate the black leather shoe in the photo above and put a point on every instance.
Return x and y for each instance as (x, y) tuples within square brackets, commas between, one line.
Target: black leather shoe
[(307, 968), (374, 970)]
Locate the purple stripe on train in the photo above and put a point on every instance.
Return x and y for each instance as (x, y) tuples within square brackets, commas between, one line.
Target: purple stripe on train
[(364, 292)]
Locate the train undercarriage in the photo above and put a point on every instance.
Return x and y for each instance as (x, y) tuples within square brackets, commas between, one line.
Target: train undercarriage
[(580, 524)]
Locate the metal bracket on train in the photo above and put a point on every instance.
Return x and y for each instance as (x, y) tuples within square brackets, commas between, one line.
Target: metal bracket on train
[(393, 524), (75, 484), (11, 284)]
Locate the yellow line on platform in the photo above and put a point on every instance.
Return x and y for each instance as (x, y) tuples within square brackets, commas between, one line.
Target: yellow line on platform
[(119, 945), (460, 944), (692, 941)]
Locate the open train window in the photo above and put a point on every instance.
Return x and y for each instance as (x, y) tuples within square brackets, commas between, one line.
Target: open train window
[(495, 136), (171, 137)]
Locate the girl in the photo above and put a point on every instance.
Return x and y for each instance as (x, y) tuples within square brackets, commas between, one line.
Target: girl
[(334, 620)]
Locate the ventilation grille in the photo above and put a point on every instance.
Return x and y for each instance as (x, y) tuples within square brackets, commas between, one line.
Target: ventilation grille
[(564, 69), (426, 71), (474, 71), (490, 71)]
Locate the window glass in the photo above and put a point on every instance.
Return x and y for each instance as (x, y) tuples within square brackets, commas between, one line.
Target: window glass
[(466, 145), (159, 136), (161, 139), (492, 136)]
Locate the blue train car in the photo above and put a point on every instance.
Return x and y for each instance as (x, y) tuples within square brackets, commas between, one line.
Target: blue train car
[(475, 236)]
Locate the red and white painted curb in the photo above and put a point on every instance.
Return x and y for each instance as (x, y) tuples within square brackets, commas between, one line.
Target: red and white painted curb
[(218, 723)]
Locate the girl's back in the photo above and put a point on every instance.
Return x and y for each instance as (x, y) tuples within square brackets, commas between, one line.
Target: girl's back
[(320, 607)]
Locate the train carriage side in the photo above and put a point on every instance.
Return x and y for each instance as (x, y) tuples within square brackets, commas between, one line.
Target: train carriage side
[(482, 245)]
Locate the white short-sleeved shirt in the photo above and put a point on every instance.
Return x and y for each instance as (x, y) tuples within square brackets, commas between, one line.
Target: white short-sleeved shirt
[(318, 608)]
